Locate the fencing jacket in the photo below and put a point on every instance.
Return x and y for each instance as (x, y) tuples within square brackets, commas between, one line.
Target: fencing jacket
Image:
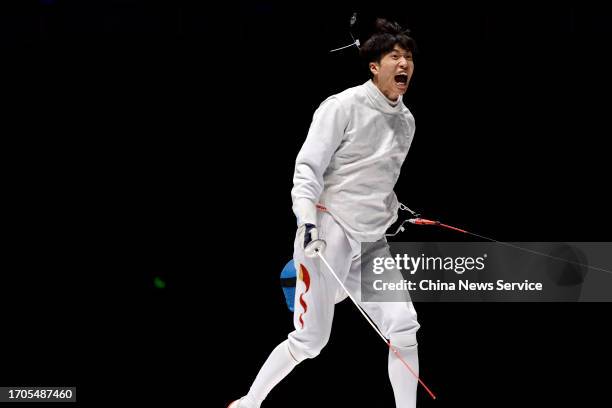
[(351, 160)]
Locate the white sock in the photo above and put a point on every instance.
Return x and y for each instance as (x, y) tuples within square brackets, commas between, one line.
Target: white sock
[(277, 366), (403, 382)]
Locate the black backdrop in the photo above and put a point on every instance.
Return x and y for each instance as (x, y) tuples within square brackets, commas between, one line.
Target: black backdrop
[(157, 140)]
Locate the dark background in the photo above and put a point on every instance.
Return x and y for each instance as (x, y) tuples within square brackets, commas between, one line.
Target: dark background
[(157, 139)]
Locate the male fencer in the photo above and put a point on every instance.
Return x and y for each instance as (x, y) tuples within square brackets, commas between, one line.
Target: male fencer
[(343, 195)]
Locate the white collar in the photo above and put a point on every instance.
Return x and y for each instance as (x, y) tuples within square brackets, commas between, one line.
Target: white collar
[(380, 100)]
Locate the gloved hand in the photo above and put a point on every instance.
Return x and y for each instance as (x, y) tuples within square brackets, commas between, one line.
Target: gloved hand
[(310, 238)]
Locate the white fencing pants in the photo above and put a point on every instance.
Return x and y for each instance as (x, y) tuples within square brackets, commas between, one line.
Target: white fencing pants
[(316, 294)]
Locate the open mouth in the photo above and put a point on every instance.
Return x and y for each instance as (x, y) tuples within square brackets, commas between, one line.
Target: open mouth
[(401, 79)]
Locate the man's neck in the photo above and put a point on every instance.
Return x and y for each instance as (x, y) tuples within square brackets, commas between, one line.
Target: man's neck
[(392, 101)]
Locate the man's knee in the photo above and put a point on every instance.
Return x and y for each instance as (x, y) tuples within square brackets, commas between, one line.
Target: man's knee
[(301, 349), (404, 325), (404, 340)]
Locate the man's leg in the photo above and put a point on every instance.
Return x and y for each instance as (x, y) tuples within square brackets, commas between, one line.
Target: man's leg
[(313, 312), (397, 320), (277, 366), (404, 340)]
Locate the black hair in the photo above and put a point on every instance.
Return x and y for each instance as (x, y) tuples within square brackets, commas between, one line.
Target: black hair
[(387, 34)]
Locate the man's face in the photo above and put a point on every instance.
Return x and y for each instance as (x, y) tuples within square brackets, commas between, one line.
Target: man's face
[(393, 73)]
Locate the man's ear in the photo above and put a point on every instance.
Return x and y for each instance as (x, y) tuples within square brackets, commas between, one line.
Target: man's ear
[(373, 68)]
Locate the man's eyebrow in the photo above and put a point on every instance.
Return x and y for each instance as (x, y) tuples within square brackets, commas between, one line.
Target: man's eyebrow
[(401, 52)]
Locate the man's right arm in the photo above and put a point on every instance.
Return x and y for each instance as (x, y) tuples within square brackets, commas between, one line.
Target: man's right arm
[(324, 136)]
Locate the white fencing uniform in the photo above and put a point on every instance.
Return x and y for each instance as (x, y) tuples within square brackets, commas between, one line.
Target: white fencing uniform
[(349, 164)]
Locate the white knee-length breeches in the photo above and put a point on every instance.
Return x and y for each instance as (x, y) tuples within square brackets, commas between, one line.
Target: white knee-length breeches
[(317, 292)]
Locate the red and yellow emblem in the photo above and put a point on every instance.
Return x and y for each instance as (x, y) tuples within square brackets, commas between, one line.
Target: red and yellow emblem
[(304, 276)]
